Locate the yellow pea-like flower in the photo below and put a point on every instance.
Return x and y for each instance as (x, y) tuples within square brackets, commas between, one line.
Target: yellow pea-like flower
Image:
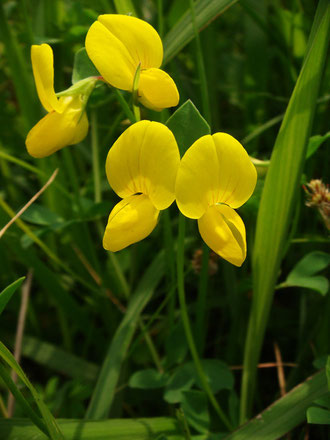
[(117, 45), (66, 122), (215, 177), (141, 168)]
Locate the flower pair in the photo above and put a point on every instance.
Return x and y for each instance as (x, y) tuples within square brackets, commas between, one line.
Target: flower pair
[(214, 177), (117, 45)]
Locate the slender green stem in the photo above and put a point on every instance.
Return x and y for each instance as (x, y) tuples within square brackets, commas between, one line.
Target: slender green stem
[(3, 409), (151, 346), (125, 106), (201, 300), (187, 327), (96, 162), (136, 81), (170, 262), (201, 66)]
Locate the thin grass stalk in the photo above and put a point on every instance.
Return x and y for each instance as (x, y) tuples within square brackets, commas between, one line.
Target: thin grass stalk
[(187, 326), (279, 195), (96, 161)]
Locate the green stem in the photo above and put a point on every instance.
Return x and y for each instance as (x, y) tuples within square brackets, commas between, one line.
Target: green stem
[(96, 162), (151, 347), (187, 327), (136, 81), (125, 106), (160, 18), (201, 300), (201, 66)]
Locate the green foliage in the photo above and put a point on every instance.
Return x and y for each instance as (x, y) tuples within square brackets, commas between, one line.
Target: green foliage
[(83, 67), (8, 292)]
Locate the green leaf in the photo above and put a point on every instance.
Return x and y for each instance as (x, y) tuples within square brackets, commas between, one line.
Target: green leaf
[(182, 33), (319, 416), (83, 67), (187, 125), (217, 373), (40, 215), (8, 292), (195, 408), (148, 379), (302, 273), (314, 143), (279, 196), (284, 414)]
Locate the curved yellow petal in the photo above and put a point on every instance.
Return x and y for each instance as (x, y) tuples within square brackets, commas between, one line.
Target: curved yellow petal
[(197, 178), (57, 130), (215, 169), (157, 90), (130, 221), (237, 174), (223, 231), (116, 44), (144, 159), (43, 72)]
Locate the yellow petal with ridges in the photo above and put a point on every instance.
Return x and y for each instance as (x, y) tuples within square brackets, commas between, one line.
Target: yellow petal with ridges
[(117, 44), (215, 169), (237, 174), (157, 90), (43, 72), (197, 178), (130, 221), (57, 130), (144, 159), (223, 231)]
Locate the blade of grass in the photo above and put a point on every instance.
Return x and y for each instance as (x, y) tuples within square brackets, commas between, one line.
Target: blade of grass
[(277, 202), (284, 414), (182, 33), (114, 429), (51, 425), (105, 389), (8, 292)]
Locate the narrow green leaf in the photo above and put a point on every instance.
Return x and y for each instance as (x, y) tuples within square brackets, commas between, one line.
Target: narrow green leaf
[(48, 418), (8, 292), (315, 142), (278, 198), (187, 125), (182, 33), (114, 429), (319, 416), (104, 391), (284, 414), (82, 67)]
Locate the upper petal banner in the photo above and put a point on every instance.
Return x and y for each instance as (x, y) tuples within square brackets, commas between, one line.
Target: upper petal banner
[(144, 159)]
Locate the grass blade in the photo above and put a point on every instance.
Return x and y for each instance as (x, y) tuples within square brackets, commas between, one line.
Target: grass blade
[(105, 388), (286, 413), (8, 292), (279, 194), (183, 32), (115, 429)]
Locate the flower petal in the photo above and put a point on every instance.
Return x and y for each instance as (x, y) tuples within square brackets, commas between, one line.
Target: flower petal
[(197, 178), (237, 174), (57, 130), (157, 90), (223, 231), (144, 159), (116, 44), (215, 169), (43, 72), (130, 221)]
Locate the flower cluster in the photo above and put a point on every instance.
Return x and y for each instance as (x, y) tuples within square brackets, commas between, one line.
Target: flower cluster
[(213, 178)]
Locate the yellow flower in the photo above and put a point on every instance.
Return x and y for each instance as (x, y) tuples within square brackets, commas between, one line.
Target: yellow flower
[(215, 177), (118, 44), (66, 122), (141, 168)]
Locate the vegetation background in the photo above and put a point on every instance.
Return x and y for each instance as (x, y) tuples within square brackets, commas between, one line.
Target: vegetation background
[(104, 336)]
